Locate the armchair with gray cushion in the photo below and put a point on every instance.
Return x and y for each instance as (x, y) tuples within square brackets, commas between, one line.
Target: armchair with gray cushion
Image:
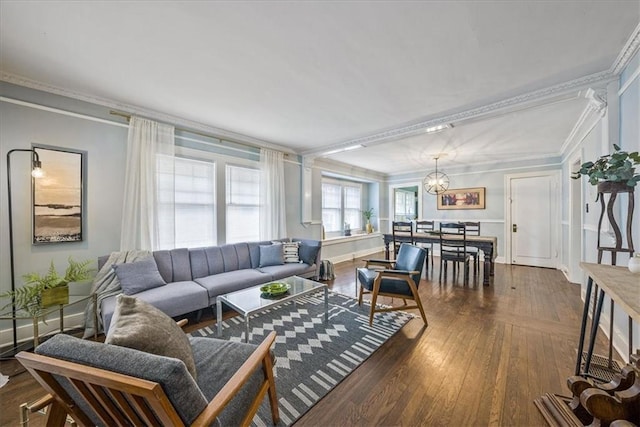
[(396, 279), (126, 381)]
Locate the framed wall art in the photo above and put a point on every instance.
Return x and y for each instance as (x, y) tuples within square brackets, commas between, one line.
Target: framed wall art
[(462, 198), (58, 204)]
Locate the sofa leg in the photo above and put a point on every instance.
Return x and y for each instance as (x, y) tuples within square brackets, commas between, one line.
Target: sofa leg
[(198, 316)]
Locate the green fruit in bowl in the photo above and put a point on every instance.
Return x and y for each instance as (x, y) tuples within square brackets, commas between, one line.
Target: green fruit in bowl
[(274, 288)]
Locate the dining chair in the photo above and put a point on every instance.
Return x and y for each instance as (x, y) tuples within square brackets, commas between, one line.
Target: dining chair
[(453, 248), (473, 229), (424, 226), (402, 232)]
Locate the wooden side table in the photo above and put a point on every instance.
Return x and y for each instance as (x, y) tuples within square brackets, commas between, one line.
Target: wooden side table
[(623, 288)]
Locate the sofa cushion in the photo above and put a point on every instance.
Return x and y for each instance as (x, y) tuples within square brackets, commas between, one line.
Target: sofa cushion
[(139, 325), (271, 255), (254, 252), (290, 251), (308, 253), (174, 265), (138, 276), (231, 281), (216, 362), (179, 386), (281, 271), (173, 299)]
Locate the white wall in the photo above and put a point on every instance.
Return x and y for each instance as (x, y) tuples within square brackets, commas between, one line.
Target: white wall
[(620, 125), (104, 145)]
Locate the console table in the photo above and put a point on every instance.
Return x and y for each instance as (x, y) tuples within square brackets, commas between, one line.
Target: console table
[(623, 288), (487, 244)]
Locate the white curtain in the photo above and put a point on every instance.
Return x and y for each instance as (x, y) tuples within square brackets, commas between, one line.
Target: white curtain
[(149, 145), (272, 197)]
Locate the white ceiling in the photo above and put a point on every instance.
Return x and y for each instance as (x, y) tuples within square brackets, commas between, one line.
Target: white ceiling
[(312, 76)]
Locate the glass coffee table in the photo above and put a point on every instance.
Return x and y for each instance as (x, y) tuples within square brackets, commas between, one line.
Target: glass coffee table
[(251, 300)]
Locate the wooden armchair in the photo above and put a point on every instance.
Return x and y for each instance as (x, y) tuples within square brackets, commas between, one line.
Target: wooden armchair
[(398, 279), (131, 387)]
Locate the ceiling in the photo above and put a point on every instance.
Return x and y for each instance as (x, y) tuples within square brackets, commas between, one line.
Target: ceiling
[(316, 76)]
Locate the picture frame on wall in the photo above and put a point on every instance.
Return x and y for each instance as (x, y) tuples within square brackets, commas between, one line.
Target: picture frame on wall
[(462, 198), (58, 196)]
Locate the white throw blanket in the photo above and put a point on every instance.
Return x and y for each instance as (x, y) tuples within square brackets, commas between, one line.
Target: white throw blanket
[(106, 284)]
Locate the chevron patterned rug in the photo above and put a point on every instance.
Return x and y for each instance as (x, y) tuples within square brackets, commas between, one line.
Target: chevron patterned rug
[(311, 357)]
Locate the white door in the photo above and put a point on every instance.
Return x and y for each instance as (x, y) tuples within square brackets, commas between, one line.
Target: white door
[(533, 207)]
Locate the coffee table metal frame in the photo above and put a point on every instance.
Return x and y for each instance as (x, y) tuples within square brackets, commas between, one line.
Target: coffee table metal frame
[(249, 301)]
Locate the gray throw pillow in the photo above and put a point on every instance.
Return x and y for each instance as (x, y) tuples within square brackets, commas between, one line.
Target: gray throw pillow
[(139, 325), (138, 276), (308, 253), (271, 255)]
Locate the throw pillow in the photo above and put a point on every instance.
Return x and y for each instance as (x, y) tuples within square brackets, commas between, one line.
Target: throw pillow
[(290, 251), (139, 325), (271, 255), (138, 276), (308, 253)]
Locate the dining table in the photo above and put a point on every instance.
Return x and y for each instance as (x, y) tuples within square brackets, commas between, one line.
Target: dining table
[(487, 244)]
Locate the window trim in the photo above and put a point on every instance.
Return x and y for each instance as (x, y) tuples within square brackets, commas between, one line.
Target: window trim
[(344, 183)]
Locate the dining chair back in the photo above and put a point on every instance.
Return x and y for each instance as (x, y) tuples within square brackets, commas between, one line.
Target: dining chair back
[(473, 229), (402, 232), (424, 226), (453, 248)]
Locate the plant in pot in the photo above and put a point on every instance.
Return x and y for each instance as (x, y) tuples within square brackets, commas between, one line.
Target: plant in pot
[(612, 174), (612, 171), (367, 214), (41, 291)]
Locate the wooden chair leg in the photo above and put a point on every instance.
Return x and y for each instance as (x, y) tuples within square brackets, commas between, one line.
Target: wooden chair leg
[(416, 298), (374, 299), (273, 398)]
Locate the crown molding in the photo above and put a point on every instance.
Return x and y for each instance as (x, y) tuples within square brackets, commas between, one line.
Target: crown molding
[(628, 51), (591, 115), (143, 112), (525, 100)]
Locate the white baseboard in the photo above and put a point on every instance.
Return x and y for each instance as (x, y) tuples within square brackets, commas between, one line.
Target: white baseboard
[(354, 255)]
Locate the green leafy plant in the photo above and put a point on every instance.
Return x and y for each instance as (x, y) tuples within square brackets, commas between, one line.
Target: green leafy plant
[(616, 167), (29, 296), (367, 214)]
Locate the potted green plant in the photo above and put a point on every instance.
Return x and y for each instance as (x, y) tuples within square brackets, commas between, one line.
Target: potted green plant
[(612, 171), (367, 214), (41, 291)]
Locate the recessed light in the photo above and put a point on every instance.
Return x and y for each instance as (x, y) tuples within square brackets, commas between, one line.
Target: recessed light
[(340, 150), (438, 128)]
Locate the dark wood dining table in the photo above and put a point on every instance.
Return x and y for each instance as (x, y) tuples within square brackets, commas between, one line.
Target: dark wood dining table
[(487, 244)]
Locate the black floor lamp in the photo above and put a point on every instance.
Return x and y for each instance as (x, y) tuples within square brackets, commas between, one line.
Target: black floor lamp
[(36, 172)]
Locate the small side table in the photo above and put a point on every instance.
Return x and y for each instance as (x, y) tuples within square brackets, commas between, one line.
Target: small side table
[(73, 300)]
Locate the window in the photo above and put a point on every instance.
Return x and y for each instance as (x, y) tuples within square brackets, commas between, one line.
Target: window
[(341, 204), (243, 204), (193, 221)]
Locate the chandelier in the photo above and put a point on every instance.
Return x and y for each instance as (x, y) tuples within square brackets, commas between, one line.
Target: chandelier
[(436, 182)]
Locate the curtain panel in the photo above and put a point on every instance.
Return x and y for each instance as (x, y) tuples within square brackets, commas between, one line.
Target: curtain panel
[(273, 223), (149, 144)]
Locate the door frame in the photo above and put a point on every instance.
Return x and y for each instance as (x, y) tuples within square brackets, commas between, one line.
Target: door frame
[(575, 252), (555, 213), (392, 198)]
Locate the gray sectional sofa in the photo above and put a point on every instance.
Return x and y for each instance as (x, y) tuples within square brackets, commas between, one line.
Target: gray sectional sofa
[(195, 277)]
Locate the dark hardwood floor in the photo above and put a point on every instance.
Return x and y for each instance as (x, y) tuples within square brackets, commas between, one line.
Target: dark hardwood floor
[(486, 354)]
